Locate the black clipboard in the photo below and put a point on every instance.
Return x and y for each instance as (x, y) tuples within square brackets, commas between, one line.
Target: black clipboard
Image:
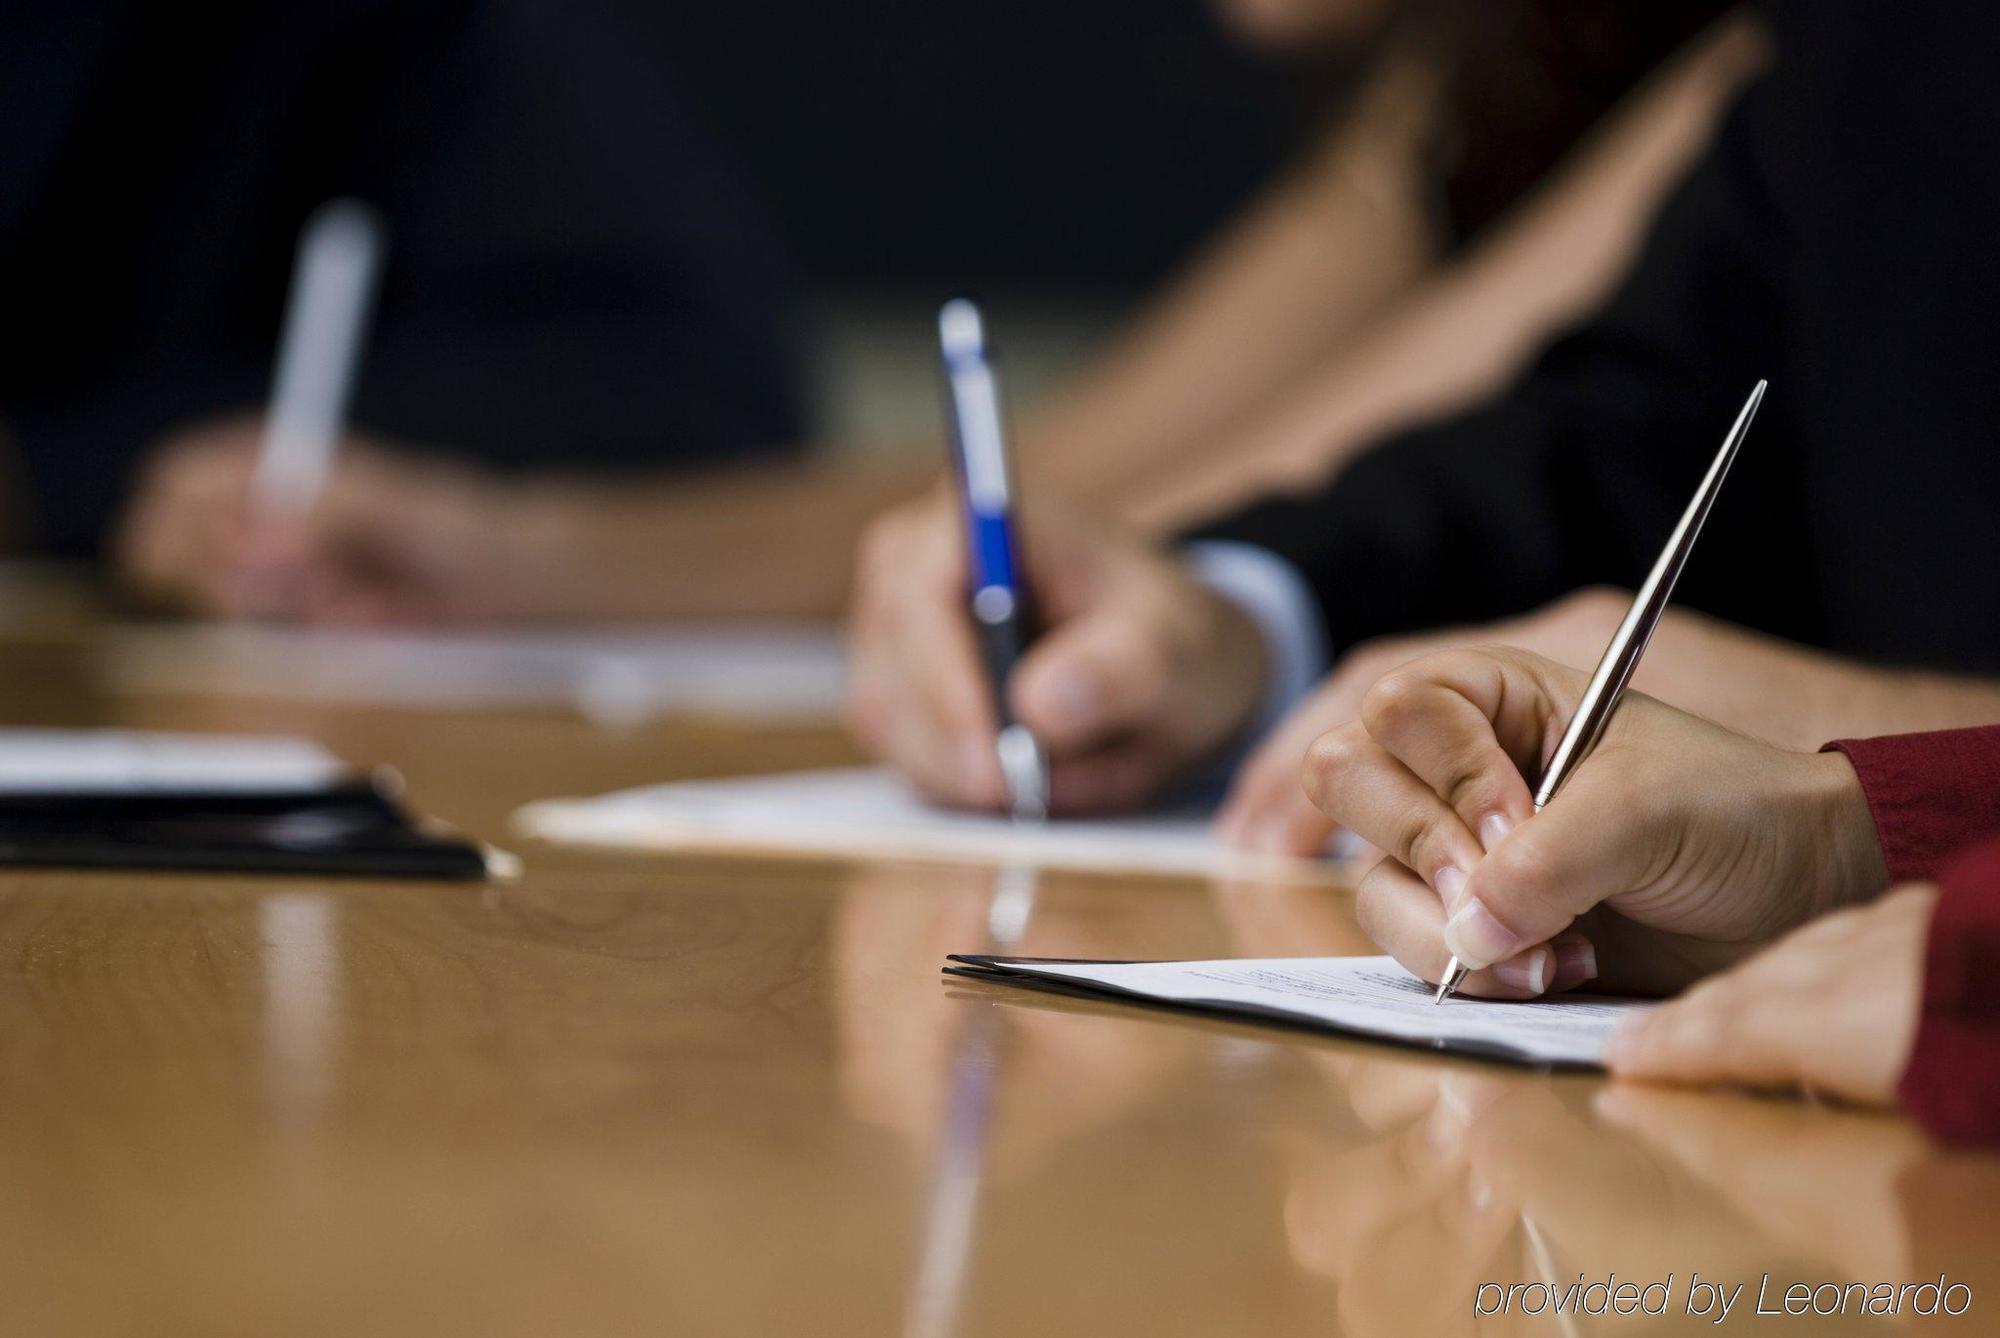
[(355, 829)]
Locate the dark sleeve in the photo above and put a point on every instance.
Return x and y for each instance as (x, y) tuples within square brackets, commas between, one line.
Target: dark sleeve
[(578, 274), (1952, 1084), (1931, 795), (1576, 475)]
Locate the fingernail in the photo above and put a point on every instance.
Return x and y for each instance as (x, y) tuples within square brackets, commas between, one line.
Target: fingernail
[(1575, 963), (1493, 829), (1449, 882), (1528, 971), (1476, 938)]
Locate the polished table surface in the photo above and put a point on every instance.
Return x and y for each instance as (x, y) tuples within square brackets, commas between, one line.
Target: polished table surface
[(713, 1096)]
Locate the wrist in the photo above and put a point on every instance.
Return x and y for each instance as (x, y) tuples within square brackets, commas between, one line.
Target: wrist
[(1270, 615), (1242, 650), (1849, 853)]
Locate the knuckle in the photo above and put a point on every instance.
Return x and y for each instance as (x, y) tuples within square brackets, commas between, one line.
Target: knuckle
[(1394, 703), (1469, 788), (1331, 758), (1425, 848)]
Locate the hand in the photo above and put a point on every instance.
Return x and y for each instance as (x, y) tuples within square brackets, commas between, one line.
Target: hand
[(390, 539), (1472, 1175), (1140, 670), (1266, 809), (1831, 1008), (1398, 1219), (1787, 694), (1676, 847), (1813, 1183)]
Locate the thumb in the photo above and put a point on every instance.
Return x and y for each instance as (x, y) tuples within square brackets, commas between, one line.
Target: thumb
[(1090, 679), (1588, 846)]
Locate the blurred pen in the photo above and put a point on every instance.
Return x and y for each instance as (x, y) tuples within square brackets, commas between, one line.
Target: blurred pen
[(326, 321), (1621, 657), (1001, 609)]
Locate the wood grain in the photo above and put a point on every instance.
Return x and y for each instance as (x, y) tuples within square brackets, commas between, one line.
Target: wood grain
[(712, 1096)]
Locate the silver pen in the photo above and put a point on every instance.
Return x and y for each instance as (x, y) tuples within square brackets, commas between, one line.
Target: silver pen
[(1621, 657)]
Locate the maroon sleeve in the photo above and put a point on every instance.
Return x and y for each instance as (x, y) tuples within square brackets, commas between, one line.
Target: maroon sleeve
[(1952, 1084), (1931, 795)]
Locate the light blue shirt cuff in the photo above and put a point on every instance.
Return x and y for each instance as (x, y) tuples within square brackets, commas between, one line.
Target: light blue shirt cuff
[(1279, 602)]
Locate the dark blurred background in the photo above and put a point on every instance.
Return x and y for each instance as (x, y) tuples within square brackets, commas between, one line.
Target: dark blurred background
[(1041, 143)]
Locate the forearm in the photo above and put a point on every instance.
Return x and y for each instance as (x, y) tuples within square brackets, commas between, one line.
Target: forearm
[(1302, 271), (1779, 691), (754, 543), (1462, 333), (1786, 693), (1909, 701)]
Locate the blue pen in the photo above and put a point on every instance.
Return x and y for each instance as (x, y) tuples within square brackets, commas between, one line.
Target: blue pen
[(1002, 612)]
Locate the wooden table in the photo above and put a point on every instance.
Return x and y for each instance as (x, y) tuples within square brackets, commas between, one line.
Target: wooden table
[(680, 1096)]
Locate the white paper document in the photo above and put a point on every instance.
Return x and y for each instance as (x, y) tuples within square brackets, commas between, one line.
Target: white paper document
[(869, 812), (767, 672), (114, 761), (1357, 996)]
